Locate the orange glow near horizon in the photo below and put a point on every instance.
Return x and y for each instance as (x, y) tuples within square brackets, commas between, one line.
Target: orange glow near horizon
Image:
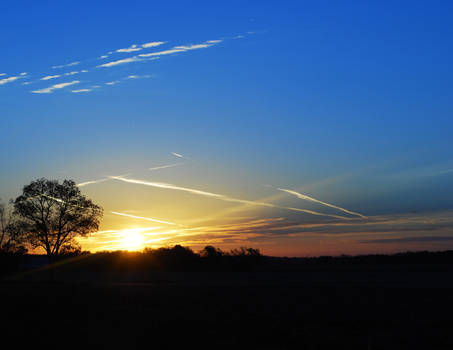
[(132, 240), (275, 236)]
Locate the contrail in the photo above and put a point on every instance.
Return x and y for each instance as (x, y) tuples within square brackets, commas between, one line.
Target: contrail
[(219, 196), (60, 201), (303, 196), (92, 182), (165, 166), (98, 181), (177, 155), (145, 218)]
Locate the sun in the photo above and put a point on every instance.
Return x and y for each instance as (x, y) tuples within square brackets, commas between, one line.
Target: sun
[(132, 239)]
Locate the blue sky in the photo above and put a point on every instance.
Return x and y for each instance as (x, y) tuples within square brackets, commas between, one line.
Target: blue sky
[(347, 102)]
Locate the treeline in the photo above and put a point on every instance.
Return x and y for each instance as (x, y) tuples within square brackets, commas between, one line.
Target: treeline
[(409, 257), (176, 258), (179, 258)]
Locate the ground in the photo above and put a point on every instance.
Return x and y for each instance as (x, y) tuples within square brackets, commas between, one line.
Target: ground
[(356, 308)]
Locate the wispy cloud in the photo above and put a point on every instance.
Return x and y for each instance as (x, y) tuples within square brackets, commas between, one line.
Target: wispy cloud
[(81, 90), (165, 52), (177, 155), (11, 79), (8, 80), (219, 196), (67, 65), (48, 77), (182, 48), (153, 44), (371, 232), (303, 196), (50, 89), (130, 49), (145, 56), (71, 73), (92, 182), (145, 218), (134, 48), (155, 55), (118, 62), (165, 166)]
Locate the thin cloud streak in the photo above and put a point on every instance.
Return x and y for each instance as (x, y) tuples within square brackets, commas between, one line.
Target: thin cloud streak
[(92, 182), (81, 90), (118, 62), (220, 196), (11, 79), (155, 55), (165, 166), (145, 218), (134, 48), (153, 44), (51, 77), (130, 49), (303, 196), (50, 89), (182, 48), (66, 65)]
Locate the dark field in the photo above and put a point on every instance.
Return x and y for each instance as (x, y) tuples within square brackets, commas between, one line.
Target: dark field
[(315, 306)]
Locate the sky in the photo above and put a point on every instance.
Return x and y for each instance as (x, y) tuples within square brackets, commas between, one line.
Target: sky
[(301, 128)]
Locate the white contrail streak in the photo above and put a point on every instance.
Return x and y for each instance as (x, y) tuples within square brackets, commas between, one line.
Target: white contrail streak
[(218, 196), (303, 196), (92, 182), (145, 218), (165, 166), (98, 181)]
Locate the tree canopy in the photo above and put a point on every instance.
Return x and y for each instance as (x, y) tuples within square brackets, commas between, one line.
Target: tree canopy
[(51, 215)]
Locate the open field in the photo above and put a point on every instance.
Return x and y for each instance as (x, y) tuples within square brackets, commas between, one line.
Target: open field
[(355, 307)]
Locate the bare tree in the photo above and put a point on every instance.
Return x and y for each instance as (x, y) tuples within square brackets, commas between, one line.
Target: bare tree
[(51, 215), (9, 241)]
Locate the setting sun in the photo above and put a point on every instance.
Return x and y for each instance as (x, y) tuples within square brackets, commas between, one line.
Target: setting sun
[(132, 239)]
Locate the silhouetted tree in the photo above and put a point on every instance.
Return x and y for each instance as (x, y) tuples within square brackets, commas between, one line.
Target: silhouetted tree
[(242, 251), (9, 239), (51, 215), (211, 252)]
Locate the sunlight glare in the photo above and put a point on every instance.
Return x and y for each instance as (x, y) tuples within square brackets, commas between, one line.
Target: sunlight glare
[(132, 239)]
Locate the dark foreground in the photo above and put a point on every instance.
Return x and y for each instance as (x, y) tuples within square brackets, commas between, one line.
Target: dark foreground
[(352, 307)]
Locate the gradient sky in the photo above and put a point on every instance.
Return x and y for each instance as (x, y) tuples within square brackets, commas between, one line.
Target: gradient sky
[(255, 105)]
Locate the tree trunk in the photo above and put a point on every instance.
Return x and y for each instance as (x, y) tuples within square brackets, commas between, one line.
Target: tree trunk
[(51, 260)]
